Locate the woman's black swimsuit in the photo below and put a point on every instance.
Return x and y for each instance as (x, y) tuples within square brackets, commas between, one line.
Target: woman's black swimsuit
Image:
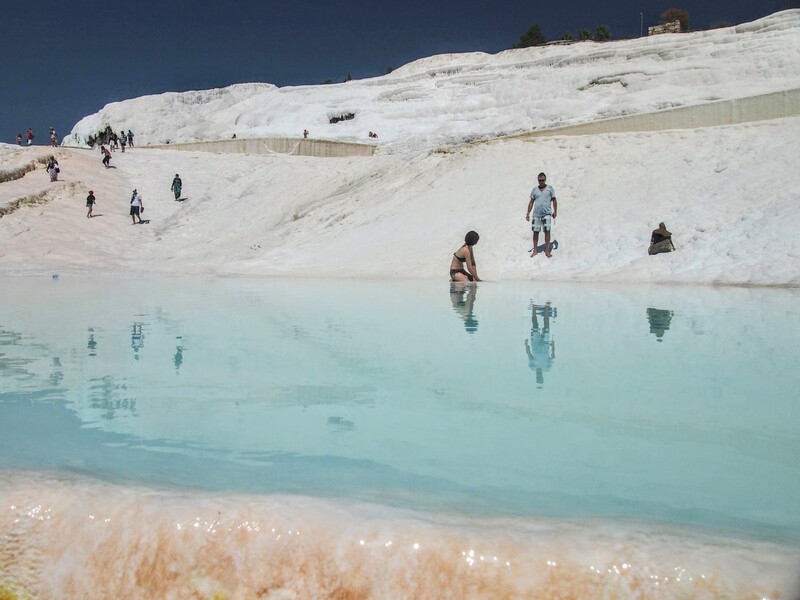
[(462, 271)]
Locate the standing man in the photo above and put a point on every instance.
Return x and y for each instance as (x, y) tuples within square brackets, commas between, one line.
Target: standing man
[(136, 206), (545, 208), (29, 135), (177, 184), (130, 138)]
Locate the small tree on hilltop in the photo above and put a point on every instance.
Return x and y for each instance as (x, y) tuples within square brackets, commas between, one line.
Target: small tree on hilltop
[(676, 14), (584, 34), (567, 37), (602, 33), (532, 37)]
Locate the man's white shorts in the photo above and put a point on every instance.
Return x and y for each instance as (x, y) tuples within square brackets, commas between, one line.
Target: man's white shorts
[(545, 222)]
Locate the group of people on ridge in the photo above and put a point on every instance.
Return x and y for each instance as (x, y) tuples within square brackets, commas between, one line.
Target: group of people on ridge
[(28, 135), (115, 141), (120, 140)]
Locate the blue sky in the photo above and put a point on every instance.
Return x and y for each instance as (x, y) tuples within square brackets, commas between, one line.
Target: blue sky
[(64, 60)]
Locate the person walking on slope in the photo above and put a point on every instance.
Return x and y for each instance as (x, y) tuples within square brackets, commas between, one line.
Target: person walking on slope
[(19, 139), (90, 200), (29, 135), (52, 168), (123, 141), (106, 156), (177, 184), (545, 208), (130, 138), (137, 206)]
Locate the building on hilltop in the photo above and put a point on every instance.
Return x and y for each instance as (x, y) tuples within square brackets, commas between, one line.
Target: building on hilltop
[(671, 27)]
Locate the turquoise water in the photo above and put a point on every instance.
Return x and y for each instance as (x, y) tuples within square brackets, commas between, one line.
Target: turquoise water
[(660, 405), (671, 404)]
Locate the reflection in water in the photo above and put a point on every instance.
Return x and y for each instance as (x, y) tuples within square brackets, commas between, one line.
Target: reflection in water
[(57, 374), (541, 350), (308, 397), (137, 339), (178, 358), (91, 345), (462, 296), (108, 397), (341, 424), (659, 320)]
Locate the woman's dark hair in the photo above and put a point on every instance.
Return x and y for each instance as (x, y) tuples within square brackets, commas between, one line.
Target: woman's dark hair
[(471, 238)]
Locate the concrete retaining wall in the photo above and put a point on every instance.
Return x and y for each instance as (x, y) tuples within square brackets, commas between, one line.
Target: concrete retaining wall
[(286, 146), (724, 112)]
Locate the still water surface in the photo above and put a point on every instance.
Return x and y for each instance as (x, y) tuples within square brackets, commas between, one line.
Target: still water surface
[(672, 406)]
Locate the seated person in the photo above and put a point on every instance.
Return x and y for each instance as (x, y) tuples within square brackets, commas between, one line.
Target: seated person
[(660, 240)]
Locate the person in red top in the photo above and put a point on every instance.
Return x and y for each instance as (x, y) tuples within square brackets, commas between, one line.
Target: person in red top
[(30, 136)]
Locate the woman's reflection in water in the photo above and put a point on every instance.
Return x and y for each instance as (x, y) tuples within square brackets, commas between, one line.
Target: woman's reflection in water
[(462, 296), (541, 350)]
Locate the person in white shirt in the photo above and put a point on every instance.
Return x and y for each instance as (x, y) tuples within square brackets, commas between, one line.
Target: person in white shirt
[(545, 208), (137, 206)]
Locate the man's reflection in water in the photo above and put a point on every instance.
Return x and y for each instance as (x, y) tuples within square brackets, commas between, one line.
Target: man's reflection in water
[(91, 345), (659, 320), (462, 296), (541, 350), (137, 340)]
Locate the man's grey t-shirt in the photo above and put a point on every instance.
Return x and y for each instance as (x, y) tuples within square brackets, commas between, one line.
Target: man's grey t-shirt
[(542, 200)]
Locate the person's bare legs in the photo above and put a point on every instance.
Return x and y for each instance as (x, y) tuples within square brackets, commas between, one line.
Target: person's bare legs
[(547, 243), (535, 243)]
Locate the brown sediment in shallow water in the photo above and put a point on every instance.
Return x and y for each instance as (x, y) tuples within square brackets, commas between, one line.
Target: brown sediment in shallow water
[(79, 539)]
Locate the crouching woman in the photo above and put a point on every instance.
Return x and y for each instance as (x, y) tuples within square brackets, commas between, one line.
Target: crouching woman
[(462, 265)]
